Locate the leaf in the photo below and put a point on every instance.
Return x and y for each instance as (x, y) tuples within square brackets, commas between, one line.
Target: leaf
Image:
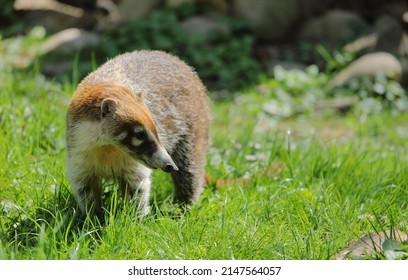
[(393, 250), (392, 245), (394, 255)]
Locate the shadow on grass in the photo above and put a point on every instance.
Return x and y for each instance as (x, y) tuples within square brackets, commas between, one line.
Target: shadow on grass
[(56, 228)]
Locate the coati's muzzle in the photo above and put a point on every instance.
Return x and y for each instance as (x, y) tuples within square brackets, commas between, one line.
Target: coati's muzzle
[(161, 159)]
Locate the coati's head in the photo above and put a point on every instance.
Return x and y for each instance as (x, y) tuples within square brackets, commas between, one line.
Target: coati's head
[(125, 123)]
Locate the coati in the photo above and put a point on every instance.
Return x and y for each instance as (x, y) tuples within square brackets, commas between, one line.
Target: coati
[(139, 111)]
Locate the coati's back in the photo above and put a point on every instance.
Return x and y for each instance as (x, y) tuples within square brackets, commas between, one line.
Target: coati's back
[(175, 101)]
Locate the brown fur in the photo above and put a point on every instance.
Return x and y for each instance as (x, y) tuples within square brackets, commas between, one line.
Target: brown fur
[(86, 104), (151, 88)]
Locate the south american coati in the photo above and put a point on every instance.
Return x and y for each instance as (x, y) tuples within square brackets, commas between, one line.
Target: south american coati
[(139, 111)]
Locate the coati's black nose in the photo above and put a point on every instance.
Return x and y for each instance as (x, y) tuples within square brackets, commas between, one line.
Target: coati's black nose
[(170, 168)]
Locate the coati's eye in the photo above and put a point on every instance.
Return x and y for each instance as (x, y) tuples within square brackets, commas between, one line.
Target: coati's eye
[(140, 133)]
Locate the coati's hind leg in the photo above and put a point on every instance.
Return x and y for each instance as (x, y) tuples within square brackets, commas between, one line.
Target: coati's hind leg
[(189, 179)]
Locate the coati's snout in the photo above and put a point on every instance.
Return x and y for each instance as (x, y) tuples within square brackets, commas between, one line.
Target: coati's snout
[(136, 139), (161, 159), (155, 157)]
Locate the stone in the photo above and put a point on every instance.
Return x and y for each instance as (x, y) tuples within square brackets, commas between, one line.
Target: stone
[(70, 40), (215, 6), (365, 42), (403, 46), (28, 5), (333, 28), (369, 65), (387, 36), (53, 15), (204, 26), (131, 9), (109, 15), (309, 8), (396, 9), (369, 244), (389, 33), (341, 104), (272, 19), (176, 3)]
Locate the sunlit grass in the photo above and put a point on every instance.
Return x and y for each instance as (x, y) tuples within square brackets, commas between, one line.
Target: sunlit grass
[(300, 188)]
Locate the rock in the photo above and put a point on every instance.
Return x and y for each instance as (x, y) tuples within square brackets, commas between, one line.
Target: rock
[(341, 104), (365, 42), (387, 36), (370, 244), (405, 17), (64, 45), (53, 15), (108, 14), (51, 5), (70, 40), (131, 9), (403, 46), (204, 26), (217, 6), (389, 33), (333, 28), (309, 8), (176, 3), (396, 9), (369, 65), (272, 19)]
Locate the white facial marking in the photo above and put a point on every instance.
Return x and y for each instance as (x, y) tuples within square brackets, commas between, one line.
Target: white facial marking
[(136, 142), (121, 136), (138, 129)]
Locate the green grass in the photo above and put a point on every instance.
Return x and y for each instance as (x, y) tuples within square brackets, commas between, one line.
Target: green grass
[(277, 195)]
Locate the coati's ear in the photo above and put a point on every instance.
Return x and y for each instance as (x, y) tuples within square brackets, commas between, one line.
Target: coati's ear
[(108, 107), (139, 94)]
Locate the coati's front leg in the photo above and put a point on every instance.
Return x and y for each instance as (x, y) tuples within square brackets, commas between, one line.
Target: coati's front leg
[(136, 185), (88, 193)]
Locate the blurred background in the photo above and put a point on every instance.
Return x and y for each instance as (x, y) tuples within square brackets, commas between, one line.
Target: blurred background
[(309, 131), (230, 43)]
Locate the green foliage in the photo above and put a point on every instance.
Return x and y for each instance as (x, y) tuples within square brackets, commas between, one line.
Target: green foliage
[(7, 11), (394, 250), (292, 92), (20, 51), (223, 61), (334, 59), (296, 91), (375, 94), (9, 23)]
